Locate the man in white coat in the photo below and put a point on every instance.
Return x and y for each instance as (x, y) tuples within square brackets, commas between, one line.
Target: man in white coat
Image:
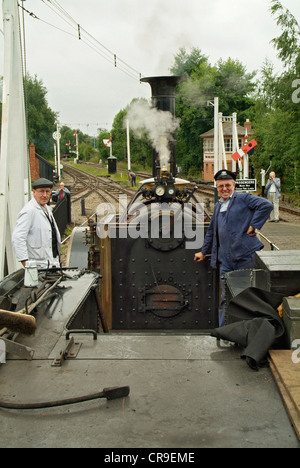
[(36, 235)]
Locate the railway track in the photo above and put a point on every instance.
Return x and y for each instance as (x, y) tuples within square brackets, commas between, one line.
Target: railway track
[(100, 190), (84, 184)]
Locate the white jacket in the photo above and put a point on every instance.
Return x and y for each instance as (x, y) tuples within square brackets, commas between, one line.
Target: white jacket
[(32, 236)]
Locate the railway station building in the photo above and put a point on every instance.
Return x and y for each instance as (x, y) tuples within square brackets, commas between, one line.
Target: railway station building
[(208, 146)]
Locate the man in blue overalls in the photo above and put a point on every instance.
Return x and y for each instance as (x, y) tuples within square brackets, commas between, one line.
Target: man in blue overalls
[(231, 237)]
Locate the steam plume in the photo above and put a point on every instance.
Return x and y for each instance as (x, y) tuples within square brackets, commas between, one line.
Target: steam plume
[(158, 125)]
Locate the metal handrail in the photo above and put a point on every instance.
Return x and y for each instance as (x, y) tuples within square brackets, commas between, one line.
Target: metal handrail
[(272, 245)]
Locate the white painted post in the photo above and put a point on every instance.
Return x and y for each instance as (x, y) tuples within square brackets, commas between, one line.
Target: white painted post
[(216, 135), (77, 151), (246, 159), (14, 159), (221, 143), (58, 135), (235, 141), (128, 146)]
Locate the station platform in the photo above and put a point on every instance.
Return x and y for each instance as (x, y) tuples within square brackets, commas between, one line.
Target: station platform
[(286, 236), (286, 373)]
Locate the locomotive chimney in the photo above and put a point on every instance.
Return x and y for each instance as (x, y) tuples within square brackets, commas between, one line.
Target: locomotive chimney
[(163, 98)]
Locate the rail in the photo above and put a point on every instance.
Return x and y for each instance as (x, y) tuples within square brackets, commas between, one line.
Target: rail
[(205, 189), (272, 245), (90, 183)]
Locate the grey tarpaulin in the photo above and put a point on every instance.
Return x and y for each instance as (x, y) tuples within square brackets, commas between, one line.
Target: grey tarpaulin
[(257, 324)]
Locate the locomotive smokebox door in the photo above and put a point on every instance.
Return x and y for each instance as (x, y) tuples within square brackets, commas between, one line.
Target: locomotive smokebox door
[(152, 282)]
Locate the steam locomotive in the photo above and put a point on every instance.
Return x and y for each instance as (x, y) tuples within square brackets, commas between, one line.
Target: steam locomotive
[(145, 255)]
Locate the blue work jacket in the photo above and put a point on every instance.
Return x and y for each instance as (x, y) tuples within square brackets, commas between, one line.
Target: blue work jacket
[(244, 210)]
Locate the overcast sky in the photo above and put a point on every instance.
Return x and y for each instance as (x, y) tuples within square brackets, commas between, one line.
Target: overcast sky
[(88, 91)]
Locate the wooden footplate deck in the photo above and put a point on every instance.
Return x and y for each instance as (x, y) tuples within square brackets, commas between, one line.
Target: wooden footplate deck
[(285, 367)]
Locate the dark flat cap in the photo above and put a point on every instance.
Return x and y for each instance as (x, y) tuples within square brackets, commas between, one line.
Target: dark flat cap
[(42, 183), (224, 174)]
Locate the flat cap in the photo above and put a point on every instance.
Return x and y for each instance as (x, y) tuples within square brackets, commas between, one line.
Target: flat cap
[(42, 183), (224, 174)]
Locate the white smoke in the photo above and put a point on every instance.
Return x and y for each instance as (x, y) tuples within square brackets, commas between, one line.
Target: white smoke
[(158, 125)]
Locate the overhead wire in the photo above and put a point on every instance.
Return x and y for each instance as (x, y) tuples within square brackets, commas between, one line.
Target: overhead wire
[(88, 39), (34, 16), (112, 55), (115, 57)]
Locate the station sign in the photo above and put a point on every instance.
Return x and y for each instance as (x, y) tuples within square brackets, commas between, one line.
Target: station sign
[(245, 185)]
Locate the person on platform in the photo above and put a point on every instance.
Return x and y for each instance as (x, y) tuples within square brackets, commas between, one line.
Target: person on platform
[(36, 235), (61, 192), (273, 194), (231, 237)]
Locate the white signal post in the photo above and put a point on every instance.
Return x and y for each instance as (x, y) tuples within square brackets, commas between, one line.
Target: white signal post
[(128, 145), (216, 134), (246, 159), (108, 144), (235, 139), (222, 151), (215, 104), (77, 153), (58, 136)]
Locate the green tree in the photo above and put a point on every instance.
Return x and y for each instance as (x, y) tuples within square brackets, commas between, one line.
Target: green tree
[(287, 43), (186, 64), (119, 135), (87, 149), (228, 80), (140, 148), (67, 141), (277, 110), (40, 118)]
